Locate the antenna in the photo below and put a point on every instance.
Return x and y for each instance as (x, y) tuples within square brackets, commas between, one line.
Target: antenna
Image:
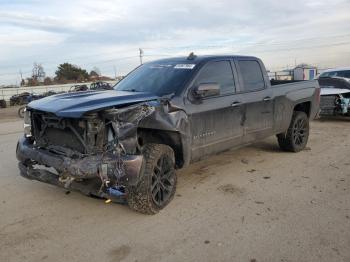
[(191, 56)]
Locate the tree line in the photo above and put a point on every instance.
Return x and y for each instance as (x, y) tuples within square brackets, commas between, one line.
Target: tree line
[(65, 73)]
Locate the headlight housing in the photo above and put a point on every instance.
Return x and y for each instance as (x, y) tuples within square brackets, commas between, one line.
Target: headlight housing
[(27, 123)]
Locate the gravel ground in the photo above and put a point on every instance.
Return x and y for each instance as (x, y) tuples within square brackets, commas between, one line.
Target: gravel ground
[(9, 114), (253, 204)]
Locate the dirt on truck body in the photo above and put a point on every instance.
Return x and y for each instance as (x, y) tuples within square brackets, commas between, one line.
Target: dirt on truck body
[(125, 144)]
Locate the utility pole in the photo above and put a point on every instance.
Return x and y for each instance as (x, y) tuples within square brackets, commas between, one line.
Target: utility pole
[(141, 55), (20, 72), (115, 72)]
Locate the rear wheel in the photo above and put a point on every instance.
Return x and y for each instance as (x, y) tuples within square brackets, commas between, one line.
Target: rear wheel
[(157, 184), (297, 135)]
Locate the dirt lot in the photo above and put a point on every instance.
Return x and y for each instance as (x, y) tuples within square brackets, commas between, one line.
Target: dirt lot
[(9, 114), (253, 204)]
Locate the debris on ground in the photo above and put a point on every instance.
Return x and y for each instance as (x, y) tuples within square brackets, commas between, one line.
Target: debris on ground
[(334, 166), (245, 161), (229, 188)]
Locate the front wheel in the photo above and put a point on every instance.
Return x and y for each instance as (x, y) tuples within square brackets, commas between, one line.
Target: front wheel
[(157, 184), (297, 135), (21, 111)]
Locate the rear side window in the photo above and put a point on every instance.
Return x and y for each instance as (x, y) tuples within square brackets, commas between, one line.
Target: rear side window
[(253, 78), (217, 72), (328, 74), (343, 73)]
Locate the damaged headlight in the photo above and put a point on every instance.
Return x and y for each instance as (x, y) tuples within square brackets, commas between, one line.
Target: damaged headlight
[(27, 123)]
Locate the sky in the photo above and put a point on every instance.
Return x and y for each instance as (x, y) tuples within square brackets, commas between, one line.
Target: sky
[(108, 33)]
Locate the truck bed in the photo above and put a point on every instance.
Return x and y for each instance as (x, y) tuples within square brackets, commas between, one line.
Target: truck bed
[(296, 89)]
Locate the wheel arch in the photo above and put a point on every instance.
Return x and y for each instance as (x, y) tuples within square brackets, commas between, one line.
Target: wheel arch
[(170, 138), (303, 107)]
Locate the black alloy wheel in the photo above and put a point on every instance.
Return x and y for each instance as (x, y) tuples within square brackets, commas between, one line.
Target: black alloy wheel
[(300, 130), (163, 180)]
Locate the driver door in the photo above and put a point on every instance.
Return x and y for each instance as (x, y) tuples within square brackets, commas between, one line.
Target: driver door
[(216, 121)]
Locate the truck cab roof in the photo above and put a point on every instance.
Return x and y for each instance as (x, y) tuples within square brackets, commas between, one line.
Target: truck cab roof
[(201, 58)]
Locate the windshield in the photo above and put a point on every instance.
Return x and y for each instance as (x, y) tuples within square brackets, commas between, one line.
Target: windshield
[(160, 78), (342, 73)]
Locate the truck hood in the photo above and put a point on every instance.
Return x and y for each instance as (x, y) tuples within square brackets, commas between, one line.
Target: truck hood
[(74, 105)]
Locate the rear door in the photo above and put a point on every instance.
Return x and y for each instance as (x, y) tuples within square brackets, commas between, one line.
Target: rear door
[(215, 123), (256, 99)]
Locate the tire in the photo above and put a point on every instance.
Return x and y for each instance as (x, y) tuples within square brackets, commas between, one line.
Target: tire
[(157, 184), (2, 104), (297, 135), (21, 111)]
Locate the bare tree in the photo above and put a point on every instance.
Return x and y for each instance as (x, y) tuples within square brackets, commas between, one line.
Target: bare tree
[(96, 70), (38, 73)]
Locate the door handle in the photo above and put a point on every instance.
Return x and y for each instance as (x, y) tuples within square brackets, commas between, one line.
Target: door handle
[(236, 104), (267, 99)]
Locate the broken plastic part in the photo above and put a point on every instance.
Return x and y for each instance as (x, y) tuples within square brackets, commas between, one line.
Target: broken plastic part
[(344, 104), (115, 192)]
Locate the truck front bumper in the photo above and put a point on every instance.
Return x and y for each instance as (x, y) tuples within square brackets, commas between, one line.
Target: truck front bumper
[(125, 170)]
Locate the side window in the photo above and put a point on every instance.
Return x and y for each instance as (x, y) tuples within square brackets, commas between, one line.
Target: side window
[(217, 72), (344, 73), (253, 78)]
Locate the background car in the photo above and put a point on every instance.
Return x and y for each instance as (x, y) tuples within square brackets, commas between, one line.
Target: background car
[(335, 91)]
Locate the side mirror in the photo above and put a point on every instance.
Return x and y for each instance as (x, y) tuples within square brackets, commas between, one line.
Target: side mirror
[(206, 90)]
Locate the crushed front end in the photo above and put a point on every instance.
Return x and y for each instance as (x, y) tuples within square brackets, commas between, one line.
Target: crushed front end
[(97, 154), (335, 102)]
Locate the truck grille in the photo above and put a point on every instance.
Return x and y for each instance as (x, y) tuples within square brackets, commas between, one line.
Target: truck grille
[(327, 104), (64, 138)]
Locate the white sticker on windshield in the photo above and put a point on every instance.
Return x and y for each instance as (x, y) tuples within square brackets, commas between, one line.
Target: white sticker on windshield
[(185, 66), (160, 66)]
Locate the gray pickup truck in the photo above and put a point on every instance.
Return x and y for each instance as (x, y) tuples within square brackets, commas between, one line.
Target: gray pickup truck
[(125, 144)]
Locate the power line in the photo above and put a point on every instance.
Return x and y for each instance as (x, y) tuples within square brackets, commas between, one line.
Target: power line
[(141, 53), (74, 57), (251, 44), (92, 63), (196, 46), (303, 48)]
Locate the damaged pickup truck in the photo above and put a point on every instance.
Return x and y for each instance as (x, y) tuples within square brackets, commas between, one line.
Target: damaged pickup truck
[(335, 92), (125, 144)]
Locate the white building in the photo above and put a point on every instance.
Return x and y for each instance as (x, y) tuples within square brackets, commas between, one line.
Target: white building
[(304, 72)]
